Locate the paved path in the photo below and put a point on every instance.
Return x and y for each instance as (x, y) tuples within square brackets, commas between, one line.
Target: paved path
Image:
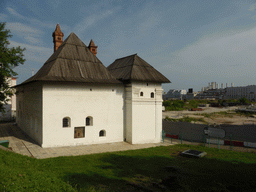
[(22, 144)]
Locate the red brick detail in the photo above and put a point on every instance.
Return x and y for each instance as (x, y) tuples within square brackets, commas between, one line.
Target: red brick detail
[(93, 47), (196, 109), (172, 136), (57, 37), (234, 143)]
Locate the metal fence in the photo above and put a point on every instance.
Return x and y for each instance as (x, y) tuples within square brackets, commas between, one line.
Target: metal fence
[(233, 135)]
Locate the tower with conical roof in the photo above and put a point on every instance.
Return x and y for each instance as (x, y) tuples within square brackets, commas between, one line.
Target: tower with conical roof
[(57, 37), (92, 47)]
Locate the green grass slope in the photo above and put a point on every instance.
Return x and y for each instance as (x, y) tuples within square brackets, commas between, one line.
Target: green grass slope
[(137, 170)]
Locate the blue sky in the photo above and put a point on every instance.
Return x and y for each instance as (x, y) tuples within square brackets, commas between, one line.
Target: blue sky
[(191, 42)]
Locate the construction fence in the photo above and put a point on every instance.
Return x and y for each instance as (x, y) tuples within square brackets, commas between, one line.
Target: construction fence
[(233, 135)]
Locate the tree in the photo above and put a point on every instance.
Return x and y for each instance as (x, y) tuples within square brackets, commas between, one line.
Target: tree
[(9, 58), (243, 100)]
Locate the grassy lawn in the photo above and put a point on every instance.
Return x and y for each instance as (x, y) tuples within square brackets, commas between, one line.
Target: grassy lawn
[(229, 114), (217, 114), (186, 119), (137, 170)]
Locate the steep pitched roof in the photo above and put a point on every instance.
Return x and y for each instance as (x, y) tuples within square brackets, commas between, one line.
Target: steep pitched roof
[(73, 62), (134, 68)]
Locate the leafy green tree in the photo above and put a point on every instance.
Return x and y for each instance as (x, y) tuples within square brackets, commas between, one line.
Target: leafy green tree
[(167, 103), (243, 100), (193, 103), (9, 58)]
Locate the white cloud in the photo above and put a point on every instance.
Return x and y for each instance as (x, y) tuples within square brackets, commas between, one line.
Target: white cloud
[(87, 22), (254, 17), (40, 23), (30, 34), (15, 13), (151, 22), (22, 29), (252, 7), (55, 3), (3, 16), (33, 53), (231, 58), (31, 20), (32, 40)]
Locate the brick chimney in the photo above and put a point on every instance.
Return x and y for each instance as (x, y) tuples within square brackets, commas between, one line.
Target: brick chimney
[(57, 37), (92, 47)]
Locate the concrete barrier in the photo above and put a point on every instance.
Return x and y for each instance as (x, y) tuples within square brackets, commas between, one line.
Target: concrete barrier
[(249, 144)]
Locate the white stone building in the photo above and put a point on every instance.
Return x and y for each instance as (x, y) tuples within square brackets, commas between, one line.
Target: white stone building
[(175, 94), (248, 92), (74, 99), (10, 106)]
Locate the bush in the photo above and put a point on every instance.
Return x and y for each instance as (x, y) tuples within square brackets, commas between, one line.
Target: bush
[(243, 100), (167, 103), (193, 103), (175, 105)]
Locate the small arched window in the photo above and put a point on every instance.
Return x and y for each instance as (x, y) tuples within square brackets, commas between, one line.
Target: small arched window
[(141, 94), (102, 133), (66, 122), (89, 121), (152, 95)]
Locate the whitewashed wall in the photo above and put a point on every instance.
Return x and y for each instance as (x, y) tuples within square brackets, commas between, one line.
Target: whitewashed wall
[(103, 102), (29, 110), (143, 114)]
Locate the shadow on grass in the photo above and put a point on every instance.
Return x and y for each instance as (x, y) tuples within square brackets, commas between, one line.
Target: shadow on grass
[(141, 170), (159, 169), (153, 169), (96, 182)]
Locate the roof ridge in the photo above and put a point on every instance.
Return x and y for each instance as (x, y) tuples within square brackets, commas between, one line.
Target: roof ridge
[(134, 68), (73, 61), (132, 65), (127, 56)]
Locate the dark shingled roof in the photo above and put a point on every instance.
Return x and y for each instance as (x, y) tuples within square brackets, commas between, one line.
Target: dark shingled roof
[(133, 68), (73, 62)]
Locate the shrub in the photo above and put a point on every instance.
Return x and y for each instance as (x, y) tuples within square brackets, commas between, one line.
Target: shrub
[(243, 100), (167, 103), (193, 103)]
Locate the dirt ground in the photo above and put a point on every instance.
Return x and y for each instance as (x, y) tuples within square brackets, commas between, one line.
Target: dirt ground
[(234, 120)]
